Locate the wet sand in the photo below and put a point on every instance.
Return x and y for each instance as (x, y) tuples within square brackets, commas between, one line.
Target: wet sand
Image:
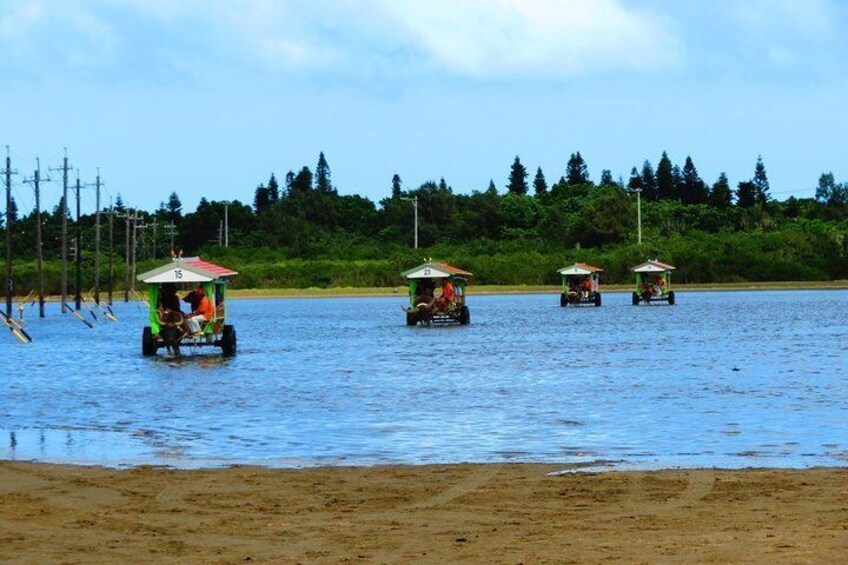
[(429, 514)]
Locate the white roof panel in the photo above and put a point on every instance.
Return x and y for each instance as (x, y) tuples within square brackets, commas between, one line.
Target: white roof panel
[(428, 272), (179, 275)]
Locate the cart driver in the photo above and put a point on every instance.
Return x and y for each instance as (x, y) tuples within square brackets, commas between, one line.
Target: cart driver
[(660, 284), (168, 299), (202, 314)]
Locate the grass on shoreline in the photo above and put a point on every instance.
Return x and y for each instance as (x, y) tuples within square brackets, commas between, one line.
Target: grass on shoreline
[(364, 292), (522, 289)]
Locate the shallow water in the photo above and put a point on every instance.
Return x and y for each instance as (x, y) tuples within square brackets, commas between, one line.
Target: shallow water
[(727, 379)]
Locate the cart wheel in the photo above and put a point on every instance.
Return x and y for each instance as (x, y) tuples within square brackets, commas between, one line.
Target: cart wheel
[(597, 299), (410, 319), (148, 342), (563, 300), (635, 299), (229, 343), (671, 298), (464, 316)]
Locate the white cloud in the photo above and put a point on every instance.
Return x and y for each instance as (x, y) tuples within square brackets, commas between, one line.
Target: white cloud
[(545, 37)]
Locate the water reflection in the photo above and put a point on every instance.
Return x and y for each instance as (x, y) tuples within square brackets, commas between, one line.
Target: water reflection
[(730, 379)]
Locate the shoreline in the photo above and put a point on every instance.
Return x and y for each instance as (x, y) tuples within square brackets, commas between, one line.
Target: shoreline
[(366, 292), (369, 292), (473, 513)]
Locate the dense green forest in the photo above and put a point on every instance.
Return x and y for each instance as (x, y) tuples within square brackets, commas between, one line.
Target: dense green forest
[(302, 233)]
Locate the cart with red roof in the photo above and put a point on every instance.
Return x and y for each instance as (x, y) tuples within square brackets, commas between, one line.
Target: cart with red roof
[(580, 285), (653, 283), (166, 327), (425, 307)]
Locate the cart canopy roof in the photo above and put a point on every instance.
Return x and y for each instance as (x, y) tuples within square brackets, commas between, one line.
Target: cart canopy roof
[(186, 270), (434, 270), (652, 267), (580, 269)]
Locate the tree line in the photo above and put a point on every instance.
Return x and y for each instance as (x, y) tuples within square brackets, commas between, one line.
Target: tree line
[(305, 218)]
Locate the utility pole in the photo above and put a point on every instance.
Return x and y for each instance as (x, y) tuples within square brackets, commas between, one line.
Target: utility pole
[(172, 230), (414, 201), (226, 223), (136, 227), (111, 251), (9, 281), (36, 181), (127, 216), (220, 232), (78, 293), (97, 186), (154, 237), (64, 212)]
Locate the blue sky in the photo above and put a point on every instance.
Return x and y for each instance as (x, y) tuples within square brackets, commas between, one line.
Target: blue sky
[(208, 98)]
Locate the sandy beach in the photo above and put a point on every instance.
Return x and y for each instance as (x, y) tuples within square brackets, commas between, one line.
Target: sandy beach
[(492, 513)]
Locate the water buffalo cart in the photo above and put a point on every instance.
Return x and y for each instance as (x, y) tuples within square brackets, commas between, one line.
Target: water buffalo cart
[(580, 285), (653, 283), (204, 287), (426, 306)]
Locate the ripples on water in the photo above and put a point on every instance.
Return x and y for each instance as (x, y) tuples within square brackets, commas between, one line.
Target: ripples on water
[(722, 379)]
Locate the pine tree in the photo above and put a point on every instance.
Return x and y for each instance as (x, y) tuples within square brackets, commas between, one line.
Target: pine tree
[(540, 185), (13, 212), (119, 205), (576, 171), (517, 183), (273, 190), (443, 186), (665, 179), (289, 180), (649, 182), (302, 182), (322, 176), (677, 175), (746, 194), (830, 192), (721, 196), (57, 211), (761, 182), (606, 178), (396, 186), (173, 208), (262, 199), (492, 188), (693, 189), (636, 182)]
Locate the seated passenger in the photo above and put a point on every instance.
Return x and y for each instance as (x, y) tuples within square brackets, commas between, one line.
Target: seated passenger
[(586, 287), (448, 296), (660, 285), (202, 314)]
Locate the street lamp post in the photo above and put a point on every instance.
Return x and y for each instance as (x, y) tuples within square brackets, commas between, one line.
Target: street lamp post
[(638, 192), (414, 201)]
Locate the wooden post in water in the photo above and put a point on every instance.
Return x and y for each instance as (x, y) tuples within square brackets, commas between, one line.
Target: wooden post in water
[(111, 251), (127, 217), (64, 211), (9, 220), (78, 293), (38, 246), (97, 240)]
